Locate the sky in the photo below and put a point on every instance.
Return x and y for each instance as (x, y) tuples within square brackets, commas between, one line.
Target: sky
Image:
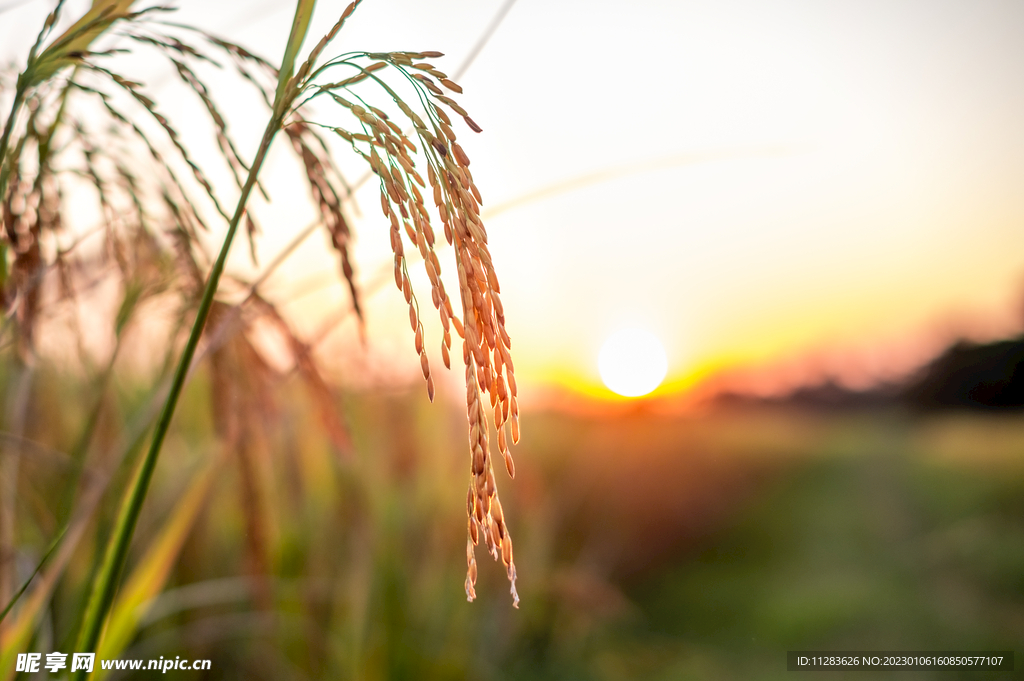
[(751, 181)]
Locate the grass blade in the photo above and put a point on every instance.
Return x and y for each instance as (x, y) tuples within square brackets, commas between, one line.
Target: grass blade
[(148, 579), (42, 561), (300, 25)]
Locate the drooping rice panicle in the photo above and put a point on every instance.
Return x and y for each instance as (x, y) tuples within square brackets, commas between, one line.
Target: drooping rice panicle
[(244, 60), (311, 376), (319, 173), (161, 164), (133, 88), (178, 52), (486, 348)]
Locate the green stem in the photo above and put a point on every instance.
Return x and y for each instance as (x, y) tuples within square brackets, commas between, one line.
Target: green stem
[(5, 170), (107, 578), (117, 549), (53, 547)]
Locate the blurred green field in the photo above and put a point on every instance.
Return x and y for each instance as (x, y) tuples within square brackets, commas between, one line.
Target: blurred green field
[(650, 546)]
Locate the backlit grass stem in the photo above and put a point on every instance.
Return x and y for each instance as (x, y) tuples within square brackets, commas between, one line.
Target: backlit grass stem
[(117, 548), (5, 165)]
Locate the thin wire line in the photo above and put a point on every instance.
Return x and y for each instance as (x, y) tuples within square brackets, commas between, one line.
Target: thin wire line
[(484, 39)]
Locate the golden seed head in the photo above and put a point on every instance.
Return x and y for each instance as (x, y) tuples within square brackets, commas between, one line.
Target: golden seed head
[(442, 115), (424, 365), (490, 384), (509, 465), (454, 87)]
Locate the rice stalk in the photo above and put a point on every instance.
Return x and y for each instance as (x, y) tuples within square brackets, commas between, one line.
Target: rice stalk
[(66, 50), (117, 548), (392, 155), (486, 347), (32, 208)]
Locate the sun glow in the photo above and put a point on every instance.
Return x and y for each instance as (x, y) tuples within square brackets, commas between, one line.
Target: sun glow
[(632, 362)]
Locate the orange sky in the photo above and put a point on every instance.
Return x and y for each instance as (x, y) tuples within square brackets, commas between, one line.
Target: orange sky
[(746, 179)]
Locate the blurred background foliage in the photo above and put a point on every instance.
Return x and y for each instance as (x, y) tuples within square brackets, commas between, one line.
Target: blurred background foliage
[(652, 545)]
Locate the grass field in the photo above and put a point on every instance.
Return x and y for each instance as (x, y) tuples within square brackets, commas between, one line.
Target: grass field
[(650, 545)]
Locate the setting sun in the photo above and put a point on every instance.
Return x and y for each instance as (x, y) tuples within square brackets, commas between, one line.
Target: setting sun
[(632, 362)]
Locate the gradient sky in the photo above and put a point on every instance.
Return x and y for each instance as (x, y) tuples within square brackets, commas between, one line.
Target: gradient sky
[(746, 179)]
